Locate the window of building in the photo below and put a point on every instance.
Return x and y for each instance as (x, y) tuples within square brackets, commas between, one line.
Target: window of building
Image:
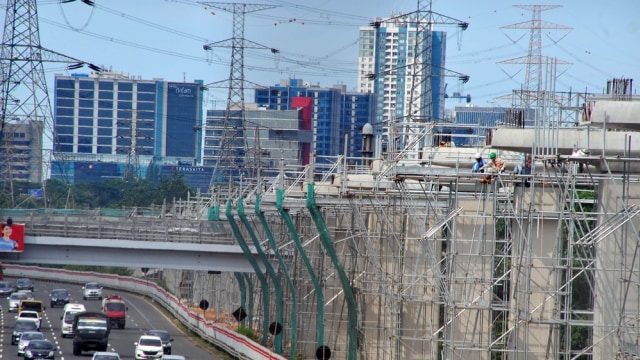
[(146, 87), (84, 121), (84, 149), (64, 120), (64, 102), (104, 131), (65, 83), (86, 94), (64, 130), (125, 86), (104, 149), (85, 104), (122, 95), (64, 93), (105, 85), (86, 84), (105, 95)]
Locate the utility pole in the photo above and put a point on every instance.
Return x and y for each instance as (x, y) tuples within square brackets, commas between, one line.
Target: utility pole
[(26, 119), (233, 156)]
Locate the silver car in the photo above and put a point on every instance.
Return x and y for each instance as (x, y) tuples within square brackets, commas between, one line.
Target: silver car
[(105, 355), (27, 336), (14, 300)]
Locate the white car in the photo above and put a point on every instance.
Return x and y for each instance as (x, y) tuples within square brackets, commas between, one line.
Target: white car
[(105, 355), (70, 310), (148, 347), (173, 357), (27, 336), (14, 300), (92, 290), (30, 315)]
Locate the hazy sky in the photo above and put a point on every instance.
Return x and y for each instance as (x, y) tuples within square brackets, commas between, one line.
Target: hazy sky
[(317, 41)]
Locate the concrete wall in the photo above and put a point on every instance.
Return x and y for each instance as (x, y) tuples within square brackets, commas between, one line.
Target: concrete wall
[(617, 295)]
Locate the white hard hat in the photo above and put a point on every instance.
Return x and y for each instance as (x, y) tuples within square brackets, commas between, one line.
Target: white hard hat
[(478, 156)]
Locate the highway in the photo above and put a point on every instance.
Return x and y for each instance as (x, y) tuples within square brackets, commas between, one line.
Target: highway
[(141, 316)]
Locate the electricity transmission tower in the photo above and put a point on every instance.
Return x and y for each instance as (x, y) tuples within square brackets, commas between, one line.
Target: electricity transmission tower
[(26, 119), (233, 157), (538, 99), (534, 60), (424, 74)]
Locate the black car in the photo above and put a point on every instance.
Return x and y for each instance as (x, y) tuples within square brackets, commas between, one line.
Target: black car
[(165, 337), (40, 349), (24, 284), (6, 288), (59, 297)]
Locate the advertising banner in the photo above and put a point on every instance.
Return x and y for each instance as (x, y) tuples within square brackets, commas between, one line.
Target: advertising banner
[(12, 237)]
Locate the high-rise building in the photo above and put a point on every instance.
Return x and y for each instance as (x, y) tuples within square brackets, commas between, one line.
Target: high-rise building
[(271, 136), (114, 118), (21, 151), (334, 111), (385, 67)]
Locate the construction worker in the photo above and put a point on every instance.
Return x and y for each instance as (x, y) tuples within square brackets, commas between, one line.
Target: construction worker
[(480, 162), (524, 167), (494, 166)]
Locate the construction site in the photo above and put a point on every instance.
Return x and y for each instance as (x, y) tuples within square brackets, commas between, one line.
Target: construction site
[(406, 253)]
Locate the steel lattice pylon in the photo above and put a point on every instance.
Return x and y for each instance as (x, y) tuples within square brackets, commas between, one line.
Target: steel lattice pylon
[(234, 155), (26, 119)]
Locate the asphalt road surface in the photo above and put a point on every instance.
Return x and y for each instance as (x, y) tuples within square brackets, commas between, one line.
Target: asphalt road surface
[(141, 316)]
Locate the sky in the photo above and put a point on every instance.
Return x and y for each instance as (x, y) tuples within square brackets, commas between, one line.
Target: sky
[(317, 41)]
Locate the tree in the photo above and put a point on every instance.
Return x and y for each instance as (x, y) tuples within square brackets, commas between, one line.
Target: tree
[(174, 188)]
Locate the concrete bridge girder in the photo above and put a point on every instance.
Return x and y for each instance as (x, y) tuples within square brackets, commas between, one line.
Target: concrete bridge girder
[(598, 142), (111, 252)]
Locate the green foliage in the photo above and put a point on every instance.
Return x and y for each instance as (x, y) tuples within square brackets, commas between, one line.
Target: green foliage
[(115, 193), (248, 332), (115, 270)]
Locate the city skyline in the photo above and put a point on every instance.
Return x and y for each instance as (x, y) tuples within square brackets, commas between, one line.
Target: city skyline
[(319, 43)]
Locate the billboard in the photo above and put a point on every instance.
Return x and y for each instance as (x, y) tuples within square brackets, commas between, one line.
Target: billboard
[(12, 237)]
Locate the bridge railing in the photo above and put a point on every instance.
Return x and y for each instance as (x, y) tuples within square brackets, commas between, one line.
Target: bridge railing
[(95, 224)]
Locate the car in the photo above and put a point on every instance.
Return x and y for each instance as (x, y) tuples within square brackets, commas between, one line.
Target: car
[(6, 288), (26, 337), (173, 357), (70, 310), (14, 300), (27, 292), (20, 326), (92, 290), (24, 284), (148, 347), (30, 315), (165, 337), (40, 349), (59, 297), (105, 355)]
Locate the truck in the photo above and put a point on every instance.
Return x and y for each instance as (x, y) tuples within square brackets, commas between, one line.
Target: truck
[(115, 308), (90, 332)]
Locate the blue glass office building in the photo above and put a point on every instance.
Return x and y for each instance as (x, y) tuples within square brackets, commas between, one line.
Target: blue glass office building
[(113, 118)]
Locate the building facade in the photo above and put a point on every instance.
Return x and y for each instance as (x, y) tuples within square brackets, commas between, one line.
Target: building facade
[(21, 151), (385, 67), (269, 137), (112, 117), (337, 115)]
